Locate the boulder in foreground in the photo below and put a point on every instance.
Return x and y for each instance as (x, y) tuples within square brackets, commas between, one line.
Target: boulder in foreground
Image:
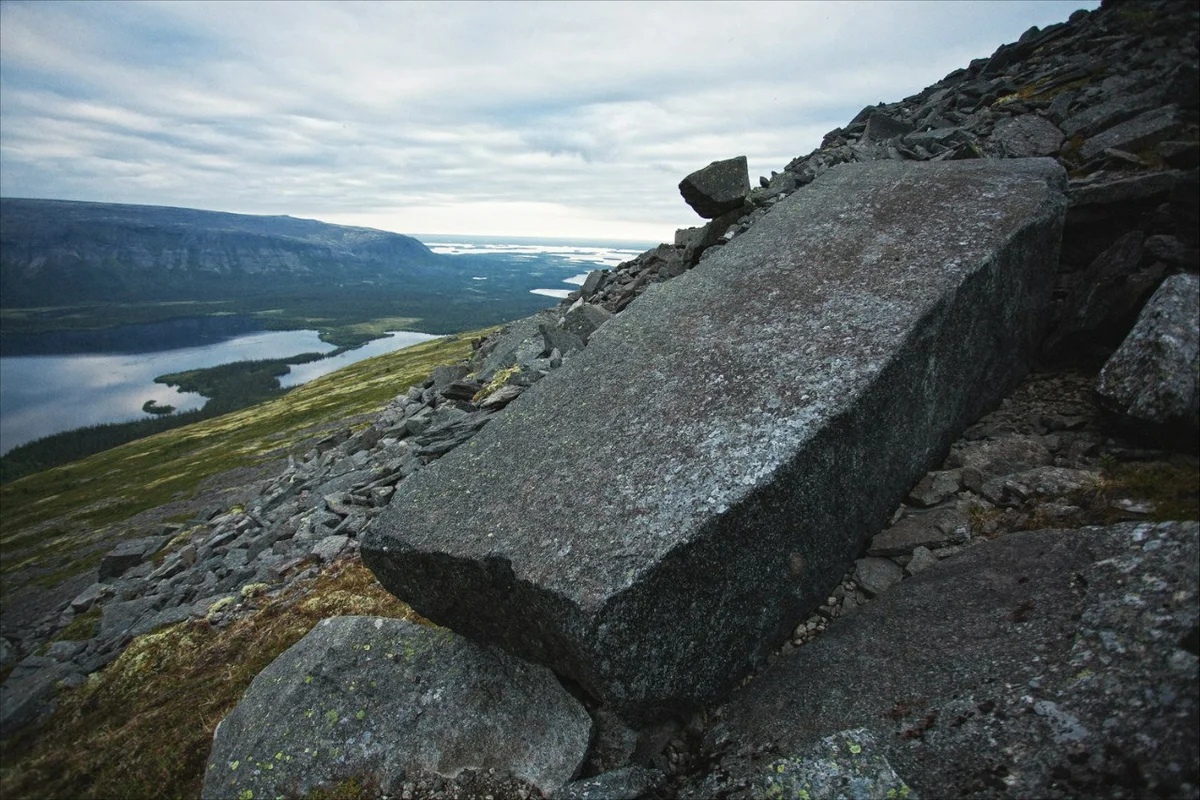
[(389, 701), (655, 516)]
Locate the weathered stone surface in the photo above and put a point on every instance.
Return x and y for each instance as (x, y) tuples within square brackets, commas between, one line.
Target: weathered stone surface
[(583, 319), (655, 567), (877, 575), (89, 596), (1027, 136), (27, 692), (328, 548), (1040, 664), (922, 559), (120, 617), (128, 554), (935, 487), (501, 397), (626, 783), (720, 187), (1103, 191), (393, 701), (1154, 377), (1144, 130), (939, 528), (847, 764), (881, 128)]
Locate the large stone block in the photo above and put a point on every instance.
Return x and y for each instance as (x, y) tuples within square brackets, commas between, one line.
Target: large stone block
[(658, 513)]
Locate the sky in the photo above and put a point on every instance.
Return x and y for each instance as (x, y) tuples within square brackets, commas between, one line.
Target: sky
[(574, 120)]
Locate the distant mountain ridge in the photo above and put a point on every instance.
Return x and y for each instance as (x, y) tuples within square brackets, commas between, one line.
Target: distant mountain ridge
[(56, 251)]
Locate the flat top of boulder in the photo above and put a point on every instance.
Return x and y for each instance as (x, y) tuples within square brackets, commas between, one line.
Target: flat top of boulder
[(582, 510)]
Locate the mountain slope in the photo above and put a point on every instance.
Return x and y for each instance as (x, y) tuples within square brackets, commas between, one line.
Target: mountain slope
[(54, 252)]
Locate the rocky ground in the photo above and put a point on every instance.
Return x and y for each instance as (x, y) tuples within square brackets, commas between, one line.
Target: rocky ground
[(1112, 95)]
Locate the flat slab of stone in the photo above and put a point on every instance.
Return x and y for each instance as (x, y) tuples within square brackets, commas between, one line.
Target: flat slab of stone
[(1051, 664), (654, 516), (388, 701)]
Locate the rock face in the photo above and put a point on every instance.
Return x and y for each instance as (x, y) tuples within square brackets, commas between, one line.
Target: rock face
[(1154, 377), (655, 567), (720, 187), (1067, 668), (394, 701)]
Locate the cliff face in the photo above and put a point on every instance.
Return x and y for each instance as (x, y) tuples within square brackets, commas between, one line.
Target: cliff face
[(54, 251)]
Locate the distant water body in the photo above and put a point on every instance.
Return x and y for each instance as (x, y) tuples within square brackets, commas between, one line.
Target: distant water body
[(50, 393), (585, 255), (55, 382)]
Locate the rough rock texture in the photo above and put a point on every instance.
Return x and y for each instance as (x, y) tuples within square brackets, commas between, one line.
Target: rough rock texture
[(393, 701), (28, 690), (1131, 222), (1041, 664), (847, 764), (654, 567), (1154, 377), (720, 187)]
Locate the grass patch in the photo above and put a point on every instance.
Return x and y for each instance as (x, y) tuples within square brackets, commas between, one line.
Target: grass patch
[(82, 628), (62, 510), (143, 727), (1172, 486)]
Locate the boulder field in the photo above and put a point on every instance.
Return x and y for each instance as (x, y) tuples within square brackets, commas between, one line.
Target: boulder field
[(917, 580)]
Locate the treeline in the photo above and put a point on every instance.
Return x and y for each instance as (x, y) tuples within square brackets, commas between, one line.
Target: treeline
[(228, 387), (238, 384), (63, 448)]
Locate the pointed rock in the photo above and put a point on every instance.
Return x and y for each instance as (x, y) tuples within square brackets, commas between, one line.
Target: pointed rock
[(1154, 377)]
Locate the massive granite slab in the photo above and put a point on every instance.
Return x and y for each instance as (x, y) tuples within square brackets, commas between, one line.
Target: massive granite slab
[(657, 514)]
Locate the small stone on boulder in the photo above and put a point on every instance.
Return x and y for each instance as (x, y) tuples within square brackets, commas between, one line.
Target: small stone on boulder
[(877, 575), (584, 318), (720, 187)]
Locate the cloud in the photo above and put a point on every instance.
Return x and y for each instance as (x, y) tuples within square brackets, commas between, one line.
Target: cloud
[(557, 118)]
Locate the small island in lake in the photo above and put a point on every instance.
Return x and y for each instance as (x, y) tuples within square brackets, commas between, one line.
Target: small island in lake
[(151, 407)]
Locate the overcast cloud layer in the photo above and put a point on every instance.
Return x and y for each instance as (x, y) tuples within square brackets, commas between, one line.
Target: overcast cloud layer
[(540, 119)]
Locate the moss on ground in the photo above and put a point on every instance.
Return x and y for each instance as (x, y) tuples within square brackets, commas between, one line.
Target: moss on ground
[(83, 627), (143, 727), (1173, 487)]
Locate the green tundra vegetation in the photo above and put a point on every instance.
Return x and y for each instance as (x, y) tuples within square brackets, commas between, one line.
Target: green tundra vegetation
[(57, 522), (143, 726)]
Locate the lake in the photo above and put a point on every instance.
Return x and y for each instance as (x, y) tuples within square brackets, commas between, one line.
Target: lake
[(45, 394), (582, 255), (55, 382)]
